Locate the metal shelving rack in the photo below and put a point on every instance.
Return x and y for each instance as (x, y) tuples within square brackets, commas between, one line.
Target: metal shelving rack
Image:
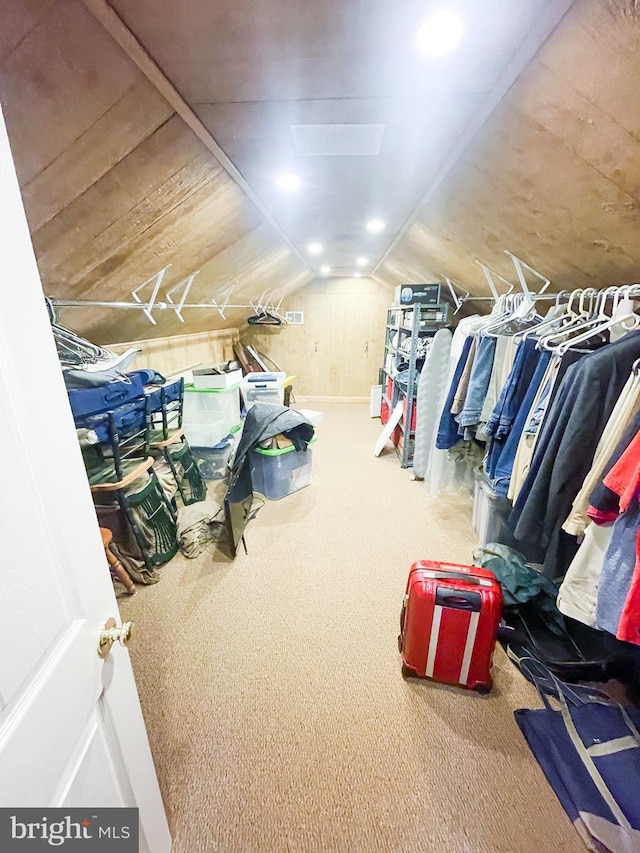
[(415, 320)]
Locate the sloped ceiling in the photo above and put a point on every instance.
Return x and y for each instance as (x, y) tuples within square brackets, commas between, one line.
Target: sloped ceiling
[(121, 176), (116, 185), (553, 176)]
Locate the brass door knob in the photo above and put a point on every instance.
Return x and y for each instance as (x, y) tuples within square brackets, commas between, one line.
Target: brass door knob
[(111, 634)]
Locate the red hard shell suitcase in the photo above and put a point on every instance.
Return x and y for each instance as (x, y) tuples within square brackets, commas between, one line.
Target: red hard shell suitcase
[(449, 622)]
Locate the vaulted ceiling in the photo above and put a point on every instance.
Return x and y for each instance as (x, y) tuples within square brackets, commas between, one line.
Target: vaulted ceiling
[(150, 133)]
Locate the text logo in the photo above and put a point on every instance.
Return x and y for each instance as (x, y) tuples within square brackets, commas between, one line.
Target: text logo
[(35, 830)]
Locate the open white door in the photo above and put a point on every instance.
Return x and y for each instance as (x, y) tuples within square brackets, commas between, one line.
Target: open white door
[(71, 728)]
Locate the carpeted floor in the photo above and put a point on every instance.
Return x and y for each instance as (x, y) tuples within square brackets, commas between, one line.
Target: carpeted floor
[(272, 692)]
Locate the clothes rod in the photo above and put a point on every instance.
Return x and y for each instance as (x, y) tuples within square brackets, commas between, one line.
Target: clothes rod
[(89, 303), (549, 297)]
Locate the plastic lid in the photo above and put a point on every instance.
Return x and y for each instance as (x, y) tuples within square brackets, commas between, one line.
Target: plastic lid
[(280, 450), (192, 389)]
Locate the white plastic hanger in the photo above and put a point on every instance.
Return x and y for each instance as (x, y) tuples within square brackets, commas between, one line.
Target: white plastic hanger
[(578, 322), (548, 323), (613, 321)]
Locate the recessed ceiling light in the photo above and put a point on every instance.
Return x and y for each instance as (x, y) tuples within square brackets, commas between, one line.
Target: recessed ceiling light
[(375, 226), (357, 275), (440, 33), (314, 248), (325, 270), (362, 262), (288, 181)]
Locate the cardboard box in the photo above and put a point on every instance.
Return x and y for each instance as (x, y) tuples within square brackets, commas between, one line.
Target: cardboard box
[(425, 294), (204, 377)]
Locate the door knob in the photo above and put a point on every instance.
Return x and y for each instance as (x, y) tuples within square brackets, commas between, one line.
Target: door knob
[(111, 634)]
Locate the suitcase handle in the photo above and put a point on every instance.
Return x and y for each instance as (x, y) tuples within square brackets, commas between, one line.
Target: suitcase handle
[(459, 576), (458, 599), (403, 614)]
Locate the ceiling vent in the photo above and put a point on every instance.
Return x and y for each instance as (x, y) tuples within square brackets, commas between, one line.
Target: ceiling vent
[(337, 140)]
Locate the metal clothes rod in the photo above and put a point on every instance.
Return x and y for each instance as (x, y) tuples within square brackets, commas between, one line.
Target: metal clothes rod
[(90, 303)]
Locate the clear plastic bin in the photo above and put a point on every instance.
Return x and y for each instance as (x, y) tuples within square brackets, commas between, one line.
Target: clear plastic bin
[(210, 414), (263, 388), (213, 461), (278, 473)]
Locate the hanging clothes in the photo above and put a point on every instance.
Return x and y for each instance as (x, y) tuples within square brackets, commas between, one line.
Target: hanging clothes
[(453, 461), (618, 607), (460, 394), (432, 388), (565, 449), (578, 593), (448, 435), (469, 417), (626, 408), (495, 382), (503, 462), (604, 504)]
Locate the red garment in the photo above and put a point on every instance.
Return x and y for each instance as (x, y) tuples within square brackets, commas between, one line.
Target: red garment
[(624, 480), (629, 625), (624, 477), (601, 517)]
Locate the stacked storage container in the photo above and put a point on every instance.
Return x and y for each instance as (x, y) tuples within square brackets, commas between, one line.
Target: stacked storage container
[(280, 472), (210, 415)]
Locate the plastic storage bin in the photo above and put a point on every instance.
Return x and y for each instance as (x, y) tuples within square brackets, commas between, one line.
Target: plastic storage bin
[(278, 473), (210, 414), (490, 512), (212, 461), (263, 388)]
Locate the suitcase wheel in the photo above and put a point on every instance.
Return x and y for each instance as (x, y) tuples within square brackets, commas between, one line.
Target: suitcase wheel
[(483, 689), (407, 672)]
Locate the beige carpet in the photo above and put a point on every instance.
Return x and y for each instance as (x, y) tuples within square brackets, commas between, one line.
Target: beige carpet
[(272, 692)]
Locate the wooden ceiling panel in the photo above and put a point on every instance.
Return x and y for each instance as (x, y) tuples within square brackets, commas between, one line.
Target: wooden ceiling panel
[(252, 50), (576, 206), (239, 265), (59, 80), (136, 178), (582, 127), (207, 218), (18, 18), (599, 57), (554, 175), (117, 133)]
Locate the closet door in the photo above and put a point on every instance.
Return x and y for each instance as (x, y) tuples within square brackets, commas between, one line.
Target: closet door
[(71, 728)]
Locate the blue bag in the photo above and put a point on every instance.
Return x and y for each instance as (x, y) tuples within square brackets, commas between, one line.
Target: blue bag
[(102, 398), (589, 750)]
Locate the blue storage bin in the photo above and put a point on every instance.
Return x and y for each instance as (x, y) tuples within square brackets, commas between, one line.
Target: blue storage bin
[(278, 473)]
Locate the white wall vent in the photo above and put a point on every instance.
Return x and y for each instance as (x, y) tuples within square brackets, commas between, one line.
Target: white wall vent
[(296, 318), (337, 140)]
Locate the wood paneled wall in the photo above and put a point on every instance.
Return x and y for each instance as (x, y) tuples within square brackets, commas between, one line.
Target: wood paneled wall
[(338, 350), (179, 353)]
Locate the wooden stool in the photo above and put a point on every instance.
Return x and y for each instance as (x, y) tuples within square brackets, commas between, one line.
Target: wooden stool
[(115, 566)]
